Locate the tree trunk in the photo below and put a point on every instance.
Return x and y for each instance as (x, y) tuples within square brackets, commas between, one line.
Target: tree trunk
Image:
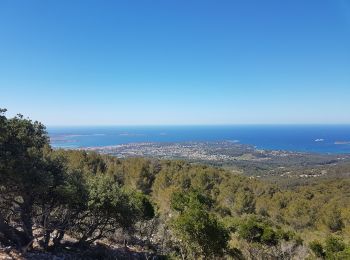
[(26, 216), (57, 240), (12, 234), (46, 241)]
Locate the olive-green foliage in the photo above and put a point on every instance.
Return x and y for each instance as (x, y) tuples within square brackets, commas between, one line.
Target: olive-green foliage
[(332, 218), (256, 229), (317, 248), (58, 191), (182, 201), (334, 248), (90, 195), (109, 202), (322, 207), (197, 229), (334, 245), (26, 172), (109, 207), (244, 202), (108, 199)]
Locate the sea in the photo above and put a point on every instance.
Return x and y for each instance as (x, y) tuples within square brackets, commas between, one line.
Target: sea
[(332, 139)]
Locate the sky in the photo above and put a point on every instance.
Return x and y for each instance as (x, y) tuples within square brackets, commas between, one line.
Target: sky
[(180, 62)]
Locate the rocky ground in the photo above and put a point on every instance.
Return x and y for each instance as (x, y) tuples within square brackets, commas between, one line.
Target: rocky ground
[(95, 252)]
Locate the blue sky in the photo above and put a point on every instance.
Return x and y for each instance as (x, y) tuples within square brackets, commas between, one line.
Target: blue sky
[(176, 62)]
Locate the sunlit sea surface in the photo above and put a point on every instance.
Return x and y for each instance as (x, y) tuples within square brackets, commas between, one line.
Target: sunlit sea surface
[(301, 138)]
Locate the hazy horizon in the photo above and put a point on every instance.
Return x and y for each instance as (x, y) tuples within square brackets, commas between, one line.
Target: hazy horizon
[(205, 125)]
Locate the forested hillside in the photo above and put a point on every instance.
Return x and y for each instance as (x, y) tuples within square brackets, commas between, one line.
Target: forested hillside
[(91, 205)]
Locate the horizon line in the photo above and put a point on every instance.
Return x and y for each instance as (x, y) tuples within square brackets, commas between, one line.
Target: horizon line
[(199, 125)]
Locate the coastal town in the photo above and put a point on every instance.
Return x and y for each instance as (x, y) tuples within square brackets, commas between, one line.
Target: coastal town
[(240, 158), (203, 151)]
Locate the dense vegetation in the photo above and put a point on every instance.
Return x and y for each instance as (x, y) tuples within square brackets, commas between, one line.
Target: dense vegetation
[(174, 208)]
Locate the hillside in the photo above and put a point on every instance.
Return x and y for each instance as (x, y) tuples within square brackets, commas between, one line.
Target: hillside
[(63, 203), (283, 167)]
